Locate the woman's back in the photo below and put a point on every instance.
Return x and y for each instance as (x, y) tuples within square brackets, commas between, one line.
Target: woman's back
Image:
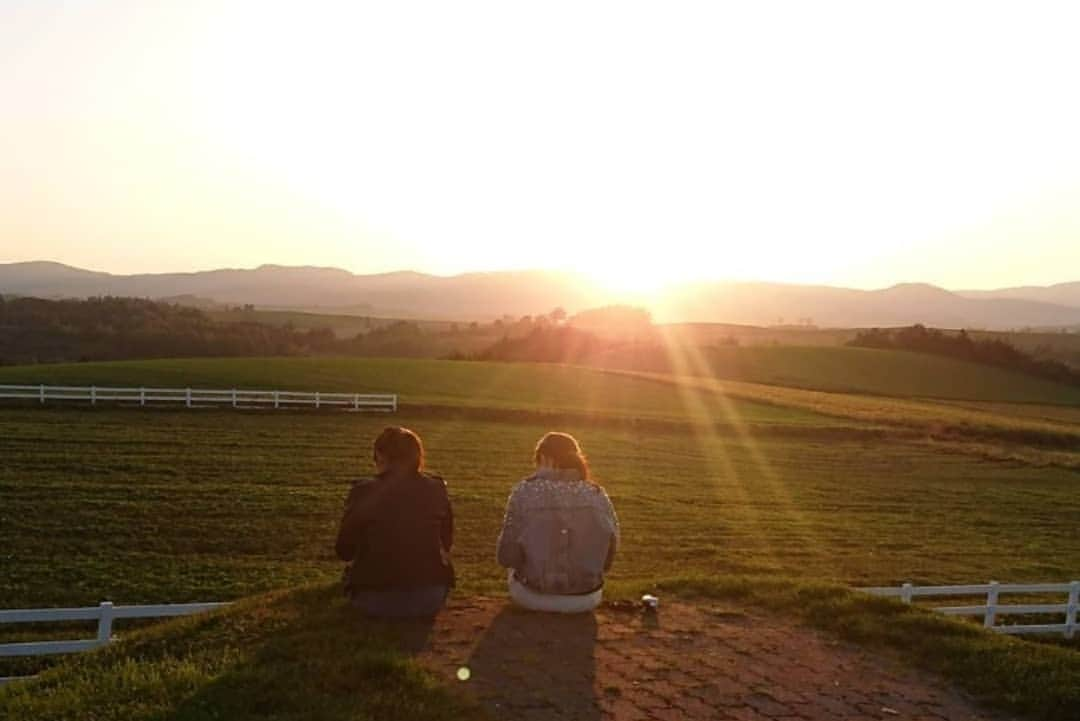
[(560, 533), (397, 530)]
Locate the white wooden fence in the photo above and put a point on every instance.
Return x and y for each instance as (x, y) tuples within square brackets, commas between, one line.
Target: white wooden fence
[(192, 397), (992, 609), (104, 614)]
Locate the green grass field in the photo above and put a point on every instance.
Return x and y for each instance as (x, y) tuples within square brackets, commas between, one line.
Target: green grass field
[(1029, 433), (343, 326), (208, 505), (216, 504), (883, 372), (531, 387), (174, 505)]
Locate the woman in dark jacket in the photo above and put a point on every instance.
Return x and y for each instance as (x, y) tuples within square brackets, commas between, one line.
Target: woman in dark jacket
[(397, 532)]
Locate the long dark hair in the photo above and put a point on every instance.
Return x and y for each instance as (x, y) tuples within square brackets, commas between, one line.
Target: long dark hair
[(400, 448), (564, 452)]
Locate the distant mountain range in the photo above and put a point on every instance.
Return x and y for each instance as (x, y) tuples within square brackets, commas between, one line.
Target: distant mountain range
[(1060, 294), (472, 296), (483, 296), (905, 304)]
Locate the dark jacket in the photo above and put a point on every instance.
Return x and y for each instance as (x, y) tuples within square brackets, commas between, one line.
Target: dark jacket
[(396, 533)]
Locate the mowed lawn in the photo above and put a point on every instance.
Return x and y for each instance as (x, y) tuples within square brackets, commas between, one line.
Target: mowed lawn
[(175, 505), (901, 374), (518, 386)]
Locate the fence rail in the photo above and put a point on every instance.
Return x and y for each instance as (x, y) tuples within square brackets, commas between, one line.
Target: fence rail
[(104, 614), (993, 609), (194, 397)]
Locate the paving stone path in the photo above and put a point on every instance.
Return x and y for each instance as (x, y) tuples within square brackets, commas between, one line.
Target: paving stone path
[(684, 662)]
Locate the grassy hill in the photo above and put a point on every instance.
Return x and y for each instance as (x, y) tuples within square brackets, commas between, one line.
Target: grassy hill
[(490, 390), (288, 655), (174, 505), (303, 655), (343, 326), (536, 387), (883, 372)]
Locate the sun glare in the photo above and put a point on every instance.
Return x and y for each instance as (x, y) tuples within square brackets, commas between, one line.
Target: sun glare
[(655, 145), (633, 277)]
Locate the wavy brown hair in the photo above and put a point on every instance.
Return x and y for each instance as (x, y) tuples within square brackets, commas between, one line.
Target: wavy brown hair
[(565, 453), (401, 449)]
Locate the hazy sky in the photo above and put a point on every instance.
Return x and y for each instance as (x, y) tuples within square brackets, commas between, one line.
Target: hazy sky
[(860, 143)]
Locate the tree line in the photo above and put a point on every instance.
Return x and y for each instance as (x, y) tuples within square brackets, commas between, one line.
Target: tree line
[(962, 346), (34, 330)]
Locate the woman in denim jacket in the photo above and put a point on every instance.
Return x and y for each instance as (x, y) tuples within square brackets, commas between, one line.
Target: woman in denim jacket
[(560, 532)]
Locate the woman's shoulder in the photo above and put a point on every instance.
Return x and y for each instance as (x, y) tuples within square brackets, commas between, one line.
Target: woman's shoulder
[(359, 490), (365, 481), (540, 483), (432, 482), (528, 485)]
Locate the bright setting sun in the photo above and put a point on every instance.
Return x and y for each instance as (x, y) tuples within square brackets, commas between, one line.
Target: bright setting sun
[(641, 144)]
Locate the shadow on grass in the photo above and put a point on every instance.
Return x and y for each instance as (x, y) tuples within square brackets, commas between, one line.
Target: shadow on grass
[(301, 654), (329, 663)]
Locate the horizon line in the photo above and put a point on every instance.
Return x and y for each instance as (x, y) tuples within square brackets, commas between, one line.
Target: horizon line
[(533, 270)]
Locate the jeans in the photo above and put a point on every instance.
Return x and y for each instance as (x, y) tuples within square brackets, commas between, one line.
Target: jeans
[(413, 603)]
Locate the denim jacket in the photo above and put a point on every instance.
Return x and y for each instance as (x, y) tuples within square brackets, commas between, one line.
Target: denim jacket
[(559, 534)]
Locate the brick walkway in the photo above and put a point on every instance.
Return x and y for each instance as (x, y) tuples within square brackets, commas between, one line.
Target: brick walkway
[(687, 662)]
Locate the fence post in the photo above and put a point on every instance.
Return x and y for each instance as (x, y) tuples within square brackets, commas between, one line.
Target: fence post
[(93, 395), (276, 400), (104, 629), (142, 396), (905, 593), (395, 403), (1074, 608), (41, 393), (316, 400), (234, 398), (991, 605), (356, 401), (187, 397)]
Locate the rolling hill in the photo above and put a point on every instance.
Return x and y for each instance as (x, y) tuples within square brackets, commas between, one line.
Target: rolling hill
[(884, 372), (905, 304), (401, 295), (1060, 293), (481, 296), (538, 388)]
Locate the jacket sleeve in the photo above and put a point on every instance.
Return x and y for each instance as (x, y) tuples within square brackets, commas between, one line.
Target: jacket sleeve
[(353, 523), (613, 544), (508, 551)]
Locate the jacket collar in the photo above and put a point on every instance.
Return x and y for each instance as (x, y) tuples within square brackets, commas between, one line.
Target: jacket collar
[(557, 474)]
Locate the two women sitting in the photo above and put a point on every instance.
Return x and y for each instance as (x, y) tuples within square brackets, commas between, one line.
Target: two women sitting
[(559, 534)]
